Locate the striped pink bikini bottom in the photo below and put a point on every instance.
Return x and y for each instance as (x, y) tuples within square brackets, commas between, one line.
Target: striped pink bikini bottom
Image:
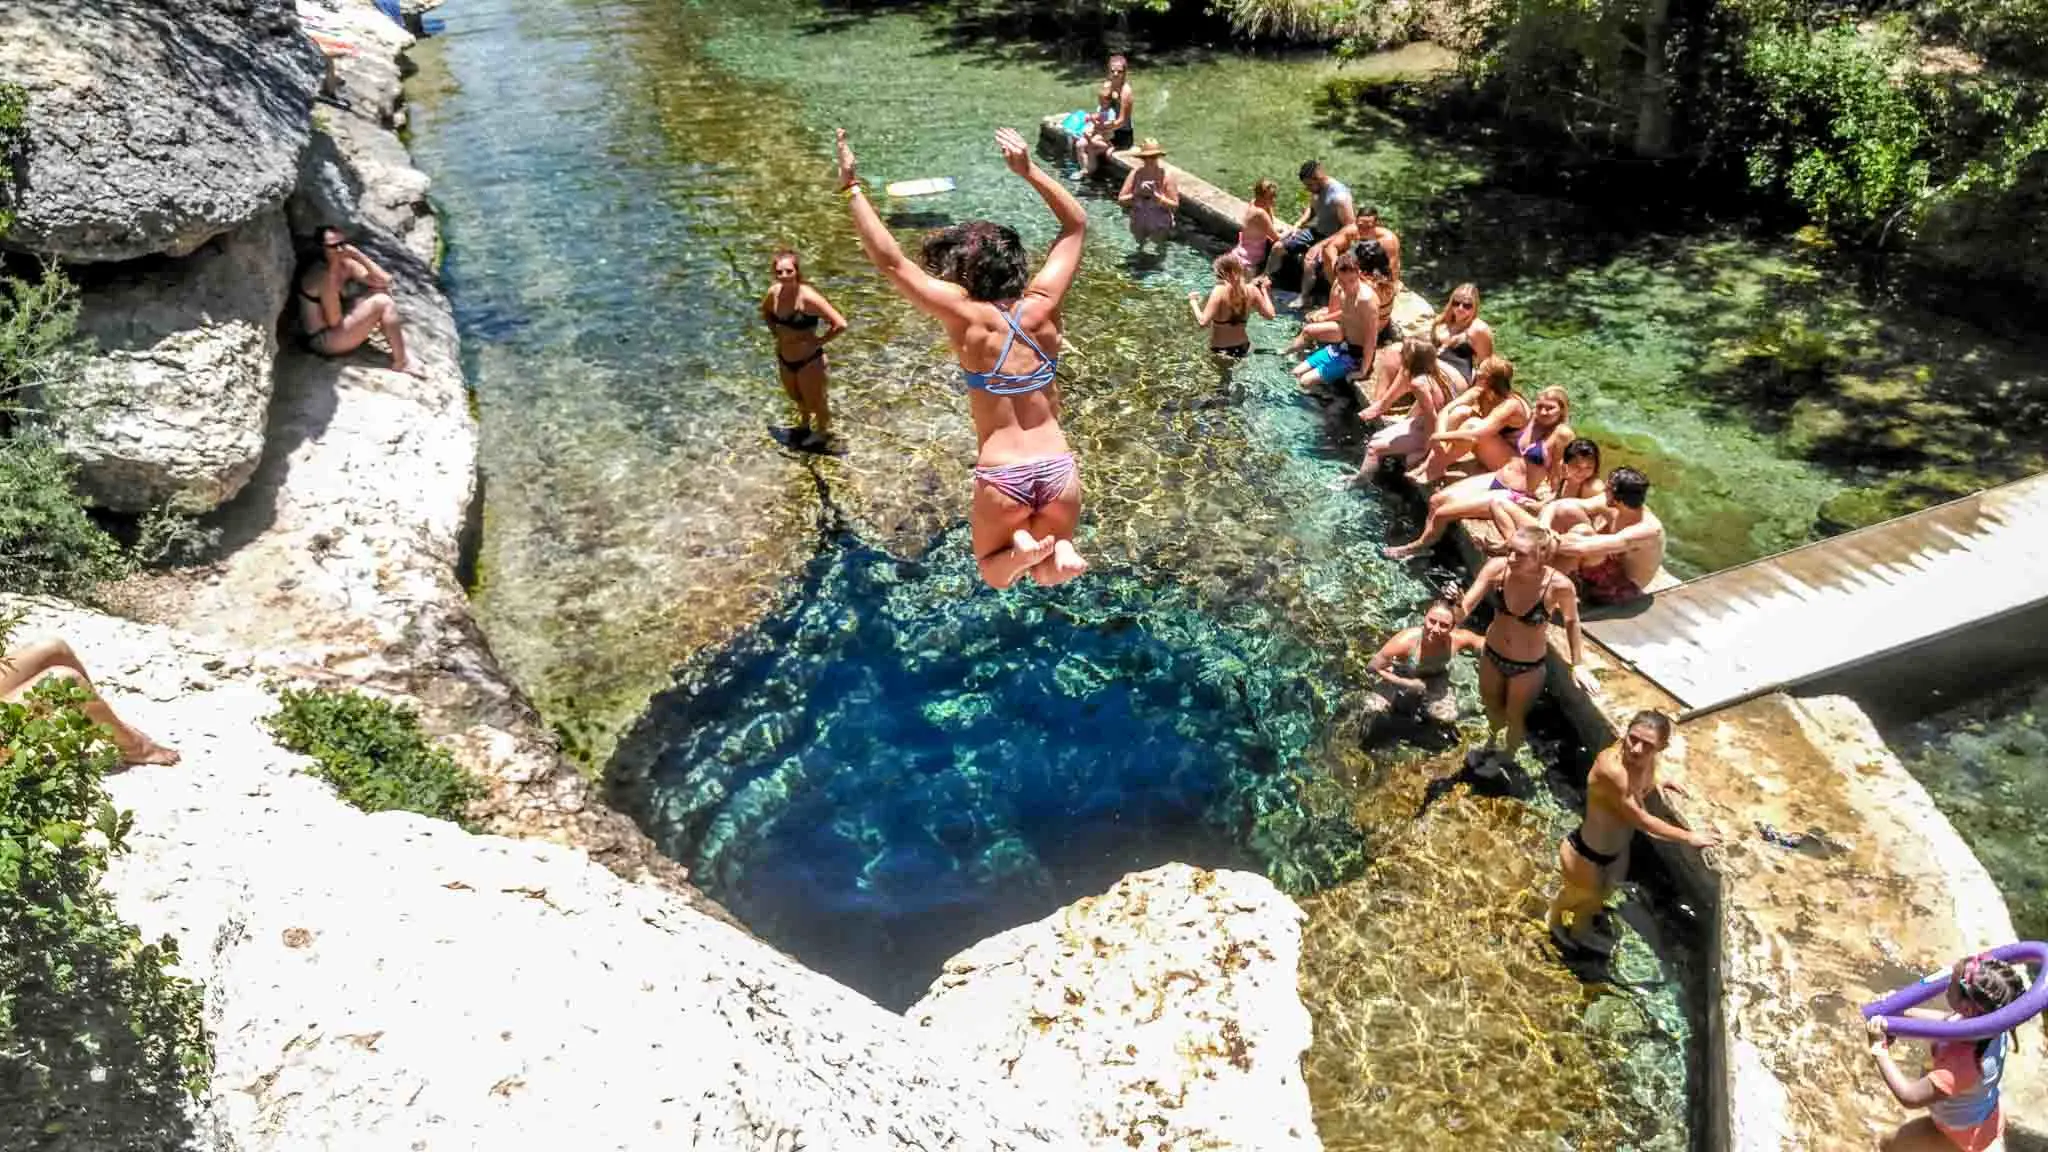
[(1034, 482)]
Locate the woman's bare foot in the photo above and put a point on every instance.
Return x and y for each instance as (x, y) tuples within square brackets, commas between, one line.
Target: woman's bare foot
[(1066, 563), (410, 366), (1002, 569), (1403, 551), (148, 751)]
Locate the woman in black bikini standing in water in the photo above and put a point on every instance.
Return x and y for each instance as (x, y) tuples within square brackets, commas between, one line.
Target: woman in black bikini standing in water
[(793, 310), (1524, 590), (1229, 307), (975, 278)]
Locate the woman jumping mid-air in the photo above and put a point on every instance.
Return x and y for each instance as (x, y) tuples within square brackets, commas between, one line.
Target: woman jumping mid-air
[(975, 278), (793, 309)]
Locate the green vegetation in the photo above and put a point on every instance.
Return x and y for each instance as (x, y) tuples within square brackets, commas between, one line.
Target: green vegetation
[(13, 107), (374, 754), (100, 1044)]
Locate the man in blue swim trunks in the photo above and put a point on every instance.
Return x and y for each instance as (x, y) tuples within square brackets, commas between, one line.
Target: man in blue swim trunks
[(1326, 225), (1348, 327)]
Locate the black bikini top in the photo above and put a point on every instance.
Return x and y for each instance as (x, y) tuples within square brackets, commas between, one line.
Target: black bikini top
[(1536, 614), (798, 321)]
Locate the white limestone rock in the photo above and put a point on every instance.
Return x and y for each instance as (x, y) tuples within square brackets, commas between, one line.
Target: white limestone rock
[(171, 406), (392, 982), (1165, 1012), (153, 125)]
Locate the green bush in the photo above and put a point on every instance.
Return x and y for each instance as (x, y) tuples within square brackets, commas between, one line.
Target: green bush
[(100, 1045), (374, 754), (1846, 133), (47, 542)]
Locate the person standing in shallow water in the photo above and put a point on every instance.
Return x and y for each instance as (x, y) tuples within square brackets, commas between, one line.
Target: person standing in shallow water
[(793, 309), (975, 279), (1151, 195), (1594, 858), (1511, 670)]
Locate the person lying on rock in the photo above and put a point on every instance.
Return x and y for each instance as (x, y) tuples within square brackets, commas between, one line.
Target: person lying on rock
[(331, 329), (24, 667)]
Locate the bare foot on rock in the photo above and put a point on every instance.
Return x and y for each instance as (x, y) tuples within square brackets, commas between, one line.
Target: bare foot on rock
[(148, 751), (411, 367)]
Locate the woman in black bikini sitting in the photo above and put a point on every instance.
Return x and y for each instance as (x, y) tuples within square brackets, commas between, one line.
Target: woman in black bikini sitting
[(792, 310), (331, 331), (1230, 304), (1463, 340), (1524, 590)]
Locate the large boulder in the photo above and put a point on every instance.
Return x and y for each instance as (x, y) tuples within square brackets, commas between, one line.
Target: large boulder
[(393, 982), (153, 125), (171, 408), (1165, 1013)]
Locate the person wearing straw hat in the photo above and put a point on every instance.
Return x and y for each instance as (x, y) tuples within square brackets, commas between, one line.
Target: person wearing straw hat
[(1151, 194)]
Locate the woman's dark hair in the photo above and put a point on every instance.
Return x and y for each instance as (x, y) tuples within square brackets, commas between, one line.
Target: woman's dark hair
[(1372, 258), (1655, 721), (986, 258), (1308, 169), (1990, 984), (1582, 449), (1630, 487), (322, 234)]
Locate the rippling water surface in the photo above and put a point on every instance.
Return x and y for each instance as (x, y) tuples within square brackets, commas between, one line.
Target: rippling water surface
[(875, 761)]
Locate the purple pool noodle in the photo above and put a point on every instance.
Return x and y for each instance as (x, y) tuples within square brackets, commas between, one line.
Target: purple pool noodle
[(2031, 1004)]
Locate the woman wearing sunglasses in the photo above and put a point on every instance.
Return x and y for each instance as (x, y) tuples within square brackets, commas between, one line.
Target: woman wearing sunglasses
[(333, 325)]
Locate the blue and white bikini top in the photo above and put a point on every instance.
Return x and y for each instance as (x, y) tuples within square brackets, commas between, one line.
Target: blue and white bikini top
[(997, 382)]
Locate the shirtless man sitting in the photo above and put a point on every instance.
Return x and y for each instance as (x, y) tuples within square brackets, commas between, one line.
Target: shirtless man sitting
[(1348, 327), (1414, 666), (1594, 858), (1610, 545), (24, 667)]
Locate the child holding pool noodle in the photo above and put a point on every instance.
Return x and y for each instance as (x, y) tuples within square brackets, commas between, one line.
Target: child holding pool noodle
[(1960, 1089)]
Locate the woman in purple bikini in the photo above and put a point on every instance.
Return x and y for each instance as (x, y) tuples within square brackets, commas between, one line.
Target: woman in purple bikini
[(975, 278)]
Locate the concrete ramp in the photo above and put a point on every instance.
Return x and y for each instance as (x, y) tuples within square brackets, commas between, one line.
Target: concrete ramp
[(1829, 606)]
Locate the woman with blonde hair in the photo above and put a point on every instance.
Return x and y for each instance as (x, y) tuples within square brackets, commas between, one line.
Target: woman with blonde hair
[(1463, 340), (1229, 306), (1518, 638), (1484, 421), (1529, 476)]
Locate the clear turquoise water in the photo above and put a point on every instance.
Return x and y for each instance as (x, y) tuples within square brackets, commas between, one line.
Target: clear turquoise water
[(860, 743)]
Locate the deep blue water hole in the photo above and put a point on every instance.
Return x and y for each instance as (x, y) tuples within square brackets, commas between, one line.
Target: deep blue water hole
[(902, 762)]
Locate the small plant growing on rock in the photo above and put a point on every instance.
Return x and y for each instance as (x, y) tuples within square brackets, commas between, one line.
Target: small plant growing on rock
[(100, 1043), (374, 754)]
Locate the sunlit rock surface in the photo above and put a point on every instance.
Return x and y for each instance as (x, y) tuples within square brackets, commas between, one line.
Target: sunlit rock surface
[(153, 125), (1163, 1012), (171, 405)]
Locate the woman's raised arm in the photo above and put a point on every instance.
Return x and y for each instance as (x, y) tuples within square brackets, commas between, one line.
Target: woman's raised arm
[(911, 281), (1063, 259)]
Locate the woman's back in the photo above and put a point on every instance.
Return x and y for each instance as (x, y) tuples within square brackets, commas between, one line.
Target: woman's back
[(1008, 353)]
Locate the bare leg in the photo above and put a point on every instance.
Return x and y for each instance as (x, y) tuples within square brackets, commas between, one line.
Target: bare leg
[(54, 660), (1460, 501), (1442, 454), (1920, 1135), (1057, 521), (1521, 696), (1319, 332), (795, 393), (815, 404), (1492, 694), (375, 312), (1386, 368), (1001, 544)]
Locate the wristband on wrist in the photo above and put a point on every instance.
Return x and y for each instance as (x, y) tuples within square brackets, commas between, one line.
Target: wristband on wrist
[(849, 189)]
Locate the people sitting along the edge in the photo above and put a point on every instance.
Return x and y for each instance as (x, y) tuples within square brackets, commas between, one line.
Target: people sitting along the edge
[(1327, 225), (1414, 665), (1347, 327), (1611, 545)]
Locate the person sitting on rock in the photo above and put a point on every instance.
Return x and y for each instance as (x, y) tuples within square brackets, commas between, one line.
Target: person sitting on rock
[(1370, 228), (25, 667), (1414, 666), (1609, 544), (331, 331)]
